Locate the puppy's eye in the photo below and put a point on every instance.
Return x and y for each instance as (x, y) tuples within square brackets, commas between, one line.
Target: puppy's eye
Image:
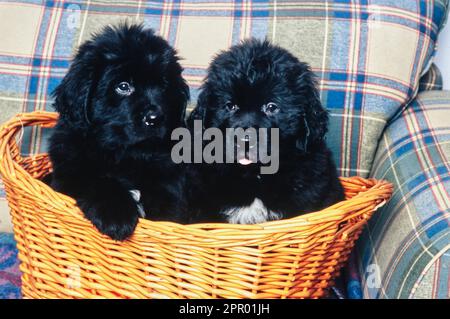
[(270, 108), (231, 107), (124, 88)]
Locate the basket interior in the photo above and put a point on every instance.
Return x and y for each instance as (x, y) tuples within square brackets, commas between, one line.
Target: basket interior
[(39, 166)]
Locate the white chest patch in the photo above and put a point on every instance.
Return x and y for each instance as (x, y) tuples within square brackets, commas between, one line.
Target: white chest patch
[(253, 214)]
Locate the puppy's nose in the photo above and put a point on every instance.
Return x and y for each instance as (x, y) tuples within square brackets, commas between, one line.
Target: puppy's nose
[(152, 117)]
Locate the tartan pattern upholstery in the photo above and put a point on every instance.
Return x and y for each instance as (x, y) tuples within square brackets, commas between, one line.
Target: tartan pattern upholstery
[(432, 80), (408, 240), (369, 56), (344, 41)]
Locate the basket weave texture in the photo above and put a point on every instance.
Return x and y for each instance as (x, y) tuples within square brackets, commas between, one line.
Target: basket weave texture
[(63, 256)]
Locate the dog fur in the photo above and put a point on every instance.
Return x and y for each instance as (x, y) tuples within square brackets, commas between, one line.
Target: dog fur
[(112, 137), (240, 86)]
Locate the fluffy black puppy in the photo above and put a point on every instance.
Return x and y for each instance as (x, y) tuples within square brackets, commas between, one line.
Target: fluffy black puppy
[(119, 102), (259, 85)]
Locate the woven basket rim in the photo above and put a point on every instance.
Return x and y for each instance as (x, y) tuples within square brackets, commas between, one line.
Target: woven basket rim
[(9, 167)]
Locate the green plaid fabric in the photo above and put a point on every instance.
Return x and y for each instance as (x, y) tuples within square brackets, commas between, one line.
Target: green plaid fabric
[(405, 250)]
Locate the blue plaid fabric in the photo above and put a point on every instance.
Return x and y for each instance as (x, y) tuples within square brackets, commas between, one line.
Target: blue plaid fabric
[(432, 80), (345, 42), (369, 56), (405, 250)]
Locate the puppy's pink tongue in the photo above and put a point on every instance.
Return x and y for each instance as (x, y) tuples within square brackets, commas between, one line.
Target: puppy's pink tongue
[(245, 161)]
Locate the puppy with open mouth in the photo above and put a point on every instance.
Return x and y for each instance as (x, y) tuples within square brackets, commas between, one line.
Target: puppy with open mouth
[(261, 86), (119, 102)]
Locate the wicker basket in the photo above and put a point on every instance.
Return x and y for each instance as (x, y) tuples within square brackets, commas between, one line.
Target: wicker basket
[(63, 256)]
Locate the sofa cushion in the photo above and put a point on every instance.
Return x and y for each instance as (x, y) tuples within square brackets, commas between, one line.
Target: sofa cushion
[(368, 55), (432, 80), (404, 251)]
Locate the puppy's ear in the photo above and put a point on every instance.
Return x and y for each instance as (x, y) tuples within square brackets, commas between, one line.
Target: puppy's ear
[(179, 96), (73, 94), (314, 119), (185, 96), (303, 137), (199, 112), (179, 90)]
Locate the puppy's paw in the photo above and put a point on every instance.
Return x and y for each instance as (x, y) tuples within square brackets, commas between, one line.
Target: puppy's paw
[(116, 216)]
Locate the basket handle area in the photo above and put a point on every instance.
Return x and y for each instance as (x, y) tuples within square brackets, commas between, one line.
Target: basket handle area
[(9, 151)]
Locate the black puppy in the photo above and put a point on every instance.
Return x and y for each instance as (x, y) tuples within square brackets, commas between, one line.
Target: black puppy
[(119, 102), (259, 85)]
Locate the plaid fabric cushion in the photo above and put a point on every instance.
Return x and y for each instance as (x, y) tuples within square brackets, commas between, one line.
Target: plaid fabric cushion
[(368, 54), (432, 80), (405, 250)]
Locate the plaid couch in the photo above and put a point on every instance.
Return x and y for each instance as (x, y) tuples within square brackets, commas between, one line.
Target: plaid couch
[(369, 56)]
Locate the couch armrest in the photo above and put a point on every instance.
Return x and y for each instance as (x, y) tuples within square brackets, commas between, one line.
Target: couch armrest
[(404, 251)]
